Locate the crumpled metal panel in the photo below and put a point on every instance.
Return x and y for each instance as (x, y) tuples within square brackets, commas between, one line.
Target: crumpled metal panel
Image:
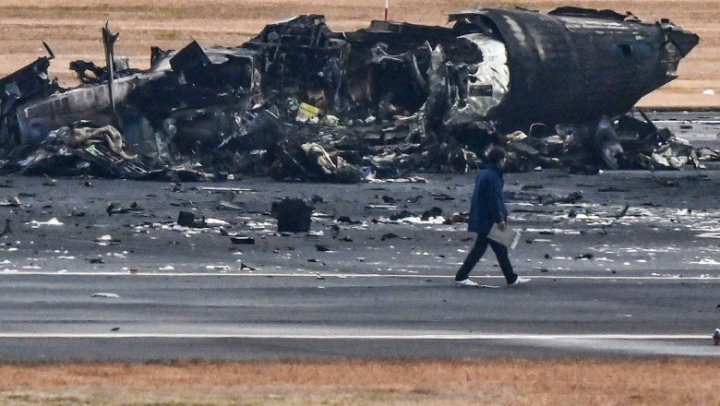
[(487, 85), (37, 118)]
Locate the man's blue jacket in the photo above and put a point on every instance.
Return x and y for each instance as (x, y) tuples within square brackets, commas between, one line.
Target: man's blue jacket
[(488, 203)]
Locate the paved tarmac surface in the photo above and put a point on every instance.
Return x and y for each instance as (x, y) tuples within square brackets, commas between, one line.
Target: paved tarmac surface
[(78, 284), (257, 317)]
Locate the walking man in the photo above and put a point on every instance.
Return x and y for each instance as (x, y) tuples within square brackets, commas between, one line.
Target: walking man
[(488, 208)]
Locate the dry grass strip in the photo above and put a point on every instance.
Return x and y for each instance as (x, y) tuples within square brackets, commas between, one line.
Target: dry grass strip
[(490, 382)]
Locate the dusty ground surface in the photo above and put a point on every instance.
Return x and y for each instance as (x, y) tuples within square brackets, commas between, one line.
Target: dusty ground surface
[(72, 28), (666, 382)]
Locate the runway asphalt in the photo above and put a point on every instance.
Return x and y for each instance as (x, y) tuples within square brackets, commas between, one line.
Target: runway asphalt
[(243, 316)]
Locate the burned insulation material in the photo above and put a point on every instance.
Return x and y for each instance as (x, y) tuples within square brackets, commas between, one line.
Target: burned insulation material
[(300, 101)]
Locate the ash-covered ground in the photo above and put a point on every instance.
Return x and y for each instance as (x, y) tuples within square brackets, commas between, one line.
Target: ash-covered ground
[(623, 222)]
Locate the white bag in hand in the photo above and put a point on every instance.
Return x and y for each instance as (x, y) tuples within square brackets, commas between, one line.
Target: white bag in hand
[(507, 237)]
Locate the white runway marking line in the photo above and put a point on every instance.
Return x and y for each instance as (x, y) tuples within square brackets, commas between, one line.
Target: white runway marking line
[(353, 276), (379, 337), (684, 121)]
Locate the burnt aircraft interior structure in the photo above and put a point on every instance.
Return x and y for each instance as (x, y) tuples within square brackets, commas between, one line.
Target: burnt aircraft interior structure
[(304, 102)]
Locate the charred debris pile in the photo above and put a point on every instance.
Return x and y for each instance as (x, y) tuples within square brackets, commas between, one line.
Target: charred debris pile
[(300, 101)]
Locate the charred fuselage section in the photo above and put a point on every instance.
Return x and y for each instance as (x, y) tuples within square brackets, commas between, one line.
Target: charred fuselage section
[(573, 65), (513, 66)]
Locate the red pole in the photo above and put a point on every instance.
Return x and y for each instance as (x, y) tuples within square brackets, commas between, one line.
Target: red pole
[(387, 6)]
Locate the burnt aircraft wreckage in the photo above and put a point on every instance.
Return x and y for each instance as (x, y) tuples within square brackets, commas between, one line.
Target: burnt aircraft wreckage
[(300, 101)]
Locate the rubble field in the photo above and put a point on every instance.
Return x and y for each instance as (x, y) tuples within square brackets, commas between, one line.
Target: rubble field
[(300, 101), (572, 224)]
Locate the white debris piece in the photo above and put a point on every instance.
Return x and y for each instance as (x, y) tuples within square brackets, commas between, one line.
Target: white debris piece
[(106, 295), (216, 223), (52, 222), (705, 261), (222, 268)]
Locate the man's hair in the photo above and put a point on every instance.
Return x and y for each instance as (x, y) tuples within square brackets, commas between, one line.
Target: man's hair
[(495, 155)]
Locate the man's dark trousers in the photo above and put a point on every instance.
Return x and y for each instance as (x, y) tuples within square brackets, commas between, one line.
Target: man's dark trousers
[(477, 251)]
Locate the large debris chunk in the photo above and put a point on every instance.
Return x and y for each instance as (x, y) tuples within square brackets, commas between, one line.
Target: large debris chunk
[(293, 215)]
